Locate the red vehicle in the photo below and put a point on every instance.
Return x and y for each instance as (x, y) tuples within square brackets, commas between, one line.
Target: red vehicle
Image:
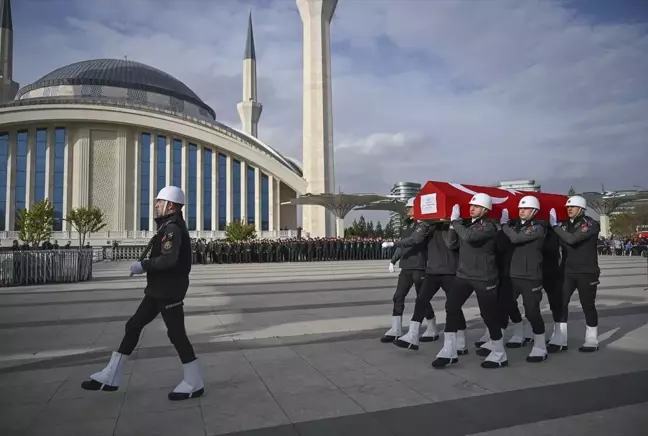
[(435, 200), (642, 231)]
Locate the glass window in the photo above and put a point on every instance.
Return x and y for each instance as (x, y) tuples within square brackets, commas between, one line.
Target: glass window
[(59, 177), (193, 181), (207, 189), (161, 163), (222, 191), (236, 190), (21, 173), (145, 180), (265, 203), (39, 179), (177, 164), (251, 188), (4, 153)]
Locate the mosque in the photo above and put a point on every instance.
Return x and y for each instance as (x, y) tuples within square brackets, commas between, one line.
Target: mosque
[(110, 133)]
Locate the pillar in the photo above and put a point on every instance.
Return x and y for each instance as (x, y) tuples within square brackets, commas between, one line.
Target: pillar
[(258, 198), (199, 187), (605, 225), (244, 187), (137, 161), (152, 181), (81, 173), (121, 169), (31, 168), (215, 216), (10, 210), (49, 163), (229, 190)]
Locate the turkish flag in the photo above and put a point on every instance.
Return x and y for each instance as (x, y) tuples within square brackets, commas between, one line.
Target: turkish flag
[(436, 199)]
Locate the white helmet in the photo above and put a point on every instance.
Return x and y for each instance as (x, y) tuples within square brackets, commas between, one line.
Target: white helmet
[(529, 202), (172, 194), (576, 201), (483, 200), (410, 202)]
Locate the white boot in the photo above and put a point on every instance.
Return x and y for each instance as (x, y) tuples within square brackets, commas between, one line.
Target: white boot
[(497, 357), (487, 347), (539, 350), (517, 340), (485, 338), (461, 343), (529, 336), (448, 353), (558, 341), (591, 340), (553, 332), (431, 332), (109, 378), (191, 386), (411, 339), (395, 331)]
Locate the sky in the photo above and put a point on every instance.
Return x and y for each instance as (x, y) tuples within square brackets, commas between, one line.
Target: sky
[(469, 91)]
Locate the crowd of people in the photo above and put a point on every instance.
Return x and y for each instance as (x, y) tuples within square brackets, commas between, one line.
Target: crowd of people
[(622, 246), (499, 262)]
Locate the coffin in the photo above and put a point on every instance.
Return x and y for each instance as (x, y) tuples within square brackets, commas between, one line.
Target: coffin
[(435, 200)]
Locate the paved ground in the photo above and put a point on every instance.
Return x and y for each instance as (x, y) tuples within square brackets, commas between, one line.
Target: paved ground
[(293, 350)]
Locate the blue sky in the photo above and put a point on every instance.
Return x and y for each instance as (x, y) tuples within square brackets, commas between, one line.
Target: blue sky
[(472, 91)]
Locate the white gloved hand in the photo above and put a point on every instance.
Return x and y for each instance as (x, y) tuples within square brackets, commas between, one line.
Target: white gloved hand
[(553, 219), (391, 267), (387, 244), (136, 268), (505, 217), (456, 213)]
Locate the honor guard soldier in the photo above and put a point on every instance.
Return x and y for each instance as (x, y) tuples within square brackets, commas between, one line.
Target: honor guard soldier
[(524, 257), (411, 250), (476, 272), (578, 238), (167, 281)]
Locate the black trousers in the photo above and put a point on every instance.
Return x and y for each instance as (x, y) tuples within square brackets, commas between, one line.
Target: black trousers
[(431, 285), (552, 281), (586, 284), (531, 291), (406, 279), (507, 302), (173, 316), (487, 297)]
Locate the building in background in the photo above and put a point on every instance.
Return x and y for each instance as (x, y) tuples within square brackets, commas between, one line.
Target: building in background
[(522, 185), (402, 191), (111, 133)]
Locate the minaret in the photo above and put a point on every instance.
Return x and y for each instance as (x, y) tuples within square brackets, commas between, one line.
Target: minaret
[(8, 88), (318, 160), (249, 109)]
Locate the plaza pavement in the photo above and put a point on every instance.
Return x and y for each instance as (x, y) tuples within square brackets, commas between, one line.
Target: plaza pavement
[(293, 349)]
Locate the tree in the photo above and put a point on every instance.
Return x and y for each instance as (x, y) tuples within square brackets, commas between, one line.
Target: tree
[(389, 230), (571, 191), (379, 230), (239, 231), (36, 223), (86, 220)]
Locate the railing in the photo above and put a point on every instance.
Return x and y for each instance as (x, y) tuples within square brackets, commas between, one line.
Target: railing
[(34, 267), (139, 237)]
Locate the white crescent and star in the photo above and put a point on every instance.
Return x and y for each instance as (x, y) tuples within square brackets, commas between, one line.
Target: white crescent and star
[(496, 200)]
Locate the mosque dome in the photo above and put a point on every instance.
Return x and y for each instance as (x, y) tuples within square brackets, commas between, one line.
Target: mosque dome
[(115, 78)]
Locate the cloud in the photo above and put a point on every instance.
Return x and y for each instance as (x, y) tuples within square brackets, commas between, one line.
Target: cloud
[(473, 92)]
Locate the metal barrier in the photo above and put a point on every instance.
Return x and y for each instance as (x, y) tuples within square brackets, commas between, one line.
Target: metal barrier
[(34, 267)]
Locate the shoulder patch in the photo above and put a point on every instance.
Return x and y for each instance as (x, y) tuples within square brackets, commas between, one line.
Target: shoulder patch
[(584, 227), (167, 245)]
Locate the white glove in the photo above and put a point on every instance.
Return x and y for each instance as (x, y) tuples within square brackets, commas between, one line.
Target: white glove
[(136, 268), (505, 217), (553, 220), (391, 267), (456, 213), (387, 244)]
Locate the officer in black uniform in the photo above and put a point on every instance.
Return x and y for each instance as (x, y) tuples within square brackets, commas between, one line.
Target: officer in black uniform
[(411, 253), (578, 238), (167, 281), (524, 257), (477, 271), (442, 259)]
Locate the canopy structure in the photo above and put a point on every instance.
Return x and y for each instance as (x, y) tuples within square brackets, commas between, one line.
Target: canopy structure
[(338, 204), (392, 205), (607, 202)]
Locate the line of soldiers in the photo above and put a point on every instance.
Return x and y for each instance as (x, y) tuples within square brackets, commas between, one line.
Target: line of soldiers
[(289, 250), (499, 261)]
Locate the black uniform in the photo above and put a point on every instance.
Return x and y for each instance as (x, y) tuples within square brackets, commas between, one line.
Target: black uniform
[(523, 265), (412, 252), (578, 239), (552, 273), (442, 260), (167, 282), (476, 271)]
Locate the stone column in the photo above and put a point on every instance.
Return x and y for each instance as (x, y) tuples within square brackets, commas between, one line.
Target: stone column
[(31, 168), (605, 225), (258, 198), (199, 187), (68, 167), (168, 162), (277, 204), (121, 169), (271, 204), (214, 181), (244, 214), (230, 190), (10, 210), (137, 181), (184, 178), (152, 181), (50, 155), (81, 175)]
